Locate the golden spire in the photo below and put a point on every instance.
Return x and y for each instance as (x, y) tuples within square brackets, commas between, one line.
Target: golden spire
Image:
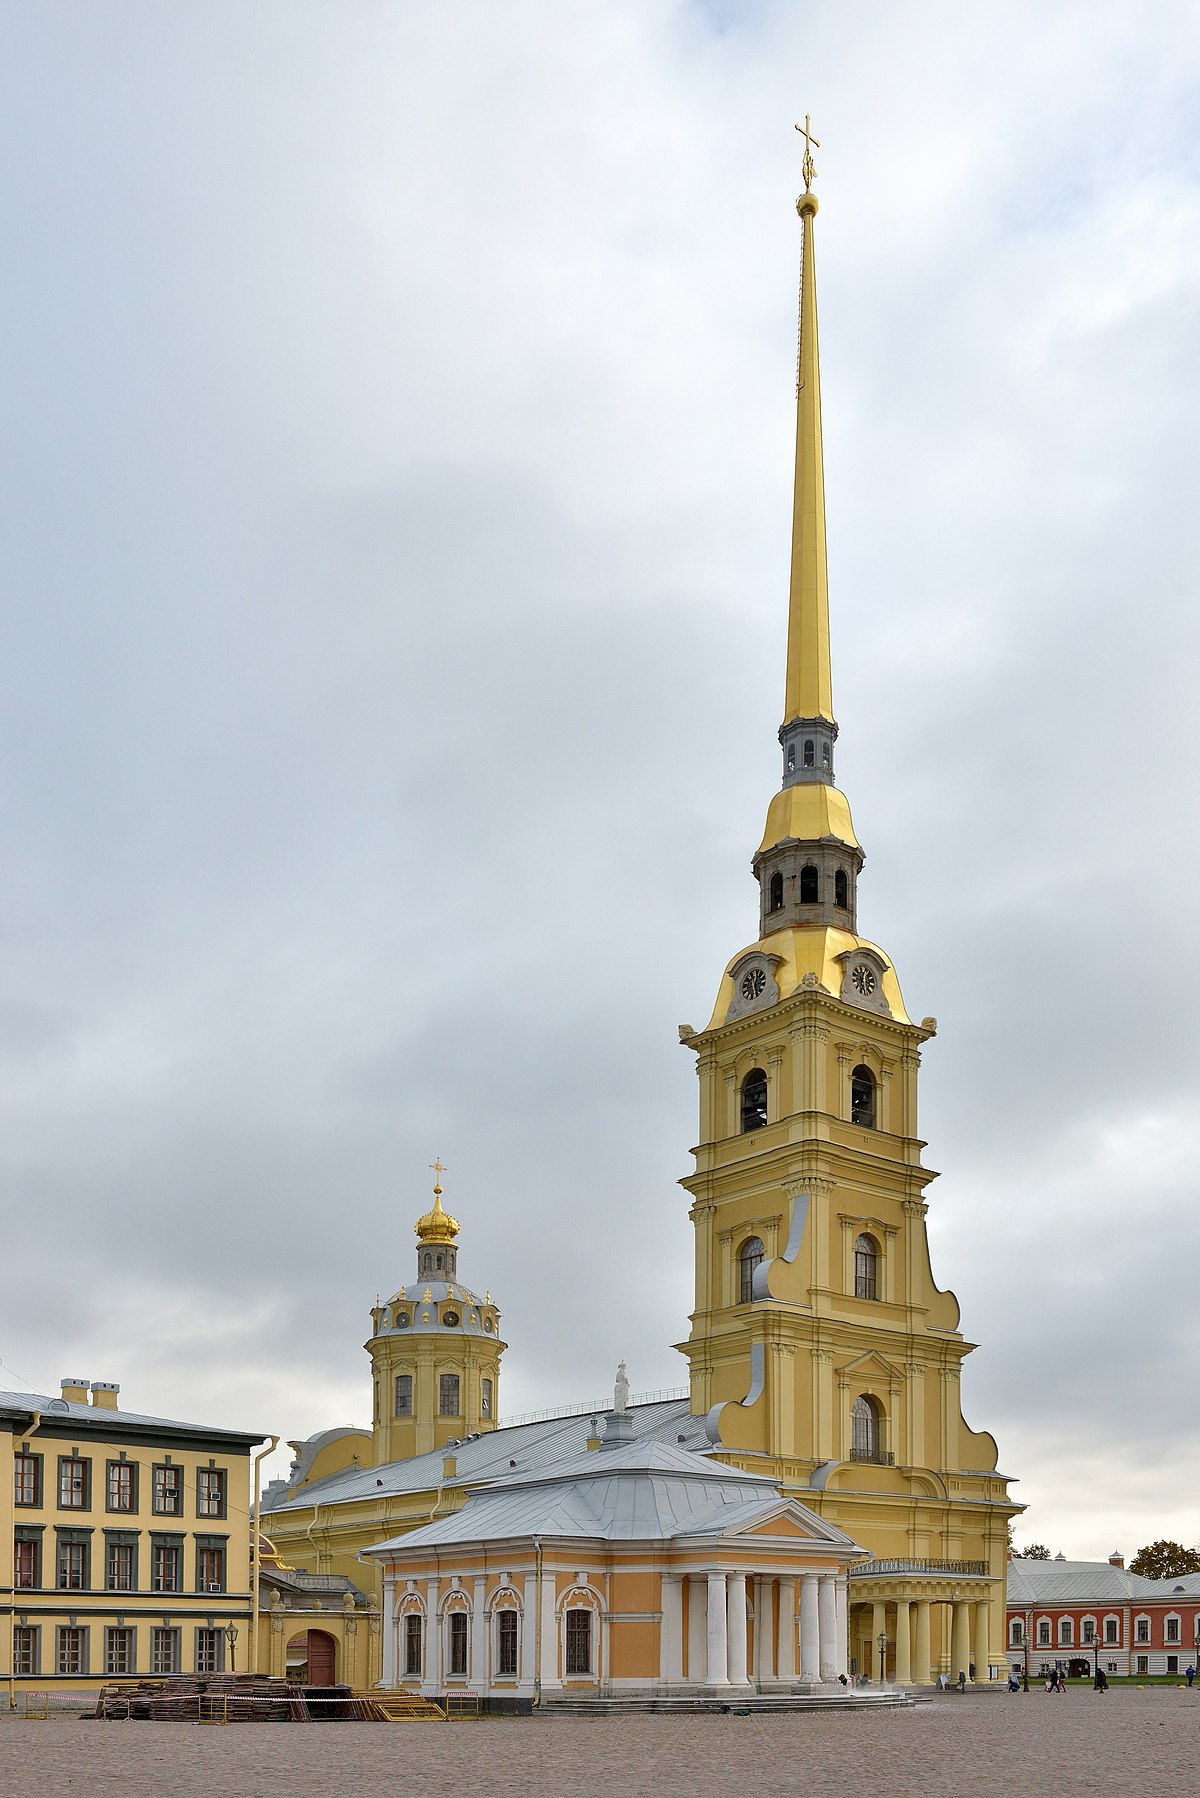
[(809, 692), (436, 1225)]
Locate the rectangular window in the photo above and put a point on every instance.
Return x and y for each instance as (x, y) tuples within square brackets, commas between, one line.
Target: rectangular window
[(74, 1483), (71, 1650), (168, 1491), (167, 1567), (448, 1395), (72, 1567), (1066, 1632), (210, 1492), (118, 1652), (164, 1651), (1088, 1631), (1016, 1632), (507, 1644), (412, 1646), (120, 1483), (579, 1642), (1044, 1634), (458, 1642), (485, 1399), (210, 1569), (1112, 1632), (1172, 1634), (1172, 1663), (27, 1479), (404, 1395), (26, 1651), (1142, 1663), (1141, 1630), (120, 1572), (26, 1555), (210, 1650)]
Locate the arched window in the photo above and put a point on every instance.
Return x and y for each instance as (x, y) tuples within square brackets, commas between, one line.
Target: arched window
[(428, 1264), (578, 1656), (810, 890), (866, 1263), (862, 1097), (864, 1430), (749, 1257), (825, 761), (810, 753), (839, 888), (754, 1100), (441, 1262), (791, 758), (775, 899)]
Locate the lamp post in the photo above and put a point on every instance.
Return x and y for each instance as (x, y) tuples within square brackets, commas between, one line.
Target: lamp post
[(231, 1636), (883, 1642), (1028, 1633), (1196, 1650)]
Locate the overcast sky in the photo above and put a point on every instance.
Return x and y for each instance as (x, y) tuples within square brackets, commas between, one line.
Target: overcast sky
[(397, 479)]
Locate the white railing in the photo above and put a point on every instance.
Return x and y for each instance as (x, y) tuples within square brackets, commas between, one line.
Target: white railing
[(599, 1409)]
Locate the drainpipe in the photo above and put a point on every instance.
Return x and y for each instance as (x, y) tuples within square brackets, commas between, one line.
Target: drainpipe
[(35, 1420), (257, 1553), (537, 1626)]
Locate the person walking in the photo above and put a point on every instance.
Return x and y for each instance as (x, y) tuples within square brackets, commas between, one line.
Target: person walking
[(1101, 1680), (1190, 1676)]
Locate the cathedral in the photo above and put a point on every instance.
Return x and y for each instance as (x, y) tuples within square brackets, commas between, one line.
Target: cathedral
[(818, 1511)]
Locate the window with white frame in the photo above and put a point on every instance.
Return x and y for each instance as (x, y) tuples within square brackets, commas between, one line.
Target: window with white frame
[(579, 1641), (1171, 1633), (1087, 1631), (1016, 1633), (506, 1644), (412, 1645), (1066, 1632), (1112, 1632), (456, 1644), (1043, 1632), (1141, 1629), (1141, 1663)]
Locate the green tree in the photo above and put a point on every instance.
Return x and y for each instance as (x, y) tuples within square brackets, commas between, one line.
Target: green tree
[(1037, 1551), (1165, 1560)]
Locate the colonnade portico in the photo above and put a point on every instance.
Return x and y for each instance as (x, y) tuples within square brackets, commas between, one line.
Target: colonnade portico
[(716, 1648), (920, 1646)]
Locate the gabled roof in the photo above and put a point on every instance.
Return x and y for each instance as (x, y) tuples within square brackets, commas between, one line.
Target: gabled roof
[(18, 1407), (1090, 1582)]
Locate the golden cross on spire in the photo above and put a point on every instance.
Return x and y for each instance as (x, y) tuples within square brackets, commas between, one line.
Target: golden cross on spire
[(436, 1164), (808, 167)]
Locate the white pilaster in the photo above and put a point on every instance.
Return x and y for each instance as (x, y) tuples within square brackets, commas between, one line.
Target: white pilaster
[(550, 1678), (479, 1642), (717, 1673), (810, 1632), (433, 1636), (764, 1660), (735, 1606), (391, 1626), (697, 1630), (827, 1624), (842, 1614), (670, 1651)]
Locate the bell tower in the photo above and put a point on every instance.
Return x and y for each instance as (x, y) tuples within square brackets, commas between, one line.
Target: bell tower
[(821, 1350), (435, 1350)]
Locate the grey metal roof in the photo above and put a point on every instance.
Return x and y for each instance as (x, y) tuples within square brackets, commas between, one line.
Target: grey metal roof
[(419, 1303), (519, 1448), (644, 1491), (1090, 1582), (60, 1410)]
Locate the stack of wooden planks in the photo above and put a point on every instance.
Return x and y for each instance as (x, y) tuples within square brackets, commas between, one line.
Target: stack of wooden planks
[(192, 1698)]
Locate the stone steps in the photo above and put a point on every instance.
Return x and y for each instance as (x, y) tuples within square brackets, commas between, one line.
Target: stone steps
[(629, 1704)]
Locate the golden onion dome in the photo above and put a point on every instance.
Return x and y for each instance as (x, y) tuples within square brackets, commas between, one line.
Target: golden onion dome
[(436, 1225)]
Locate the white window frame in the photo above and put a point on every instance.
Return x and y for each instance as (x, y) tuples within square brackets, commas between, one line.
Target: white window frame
[(1176, 1640), (506, 1605), (1111, 1617), (1045, 1632), (1087, 1632), (1066, 1632), (1141, 1630)]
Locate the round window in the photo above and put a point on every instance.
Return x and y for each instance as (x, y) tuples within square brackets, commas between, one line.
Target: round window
[(402, 1320), (450, 1319)]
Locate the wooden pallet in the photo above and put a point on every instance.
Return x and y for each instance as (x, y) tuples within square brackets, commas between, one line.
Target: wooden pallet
[(396, 1707)]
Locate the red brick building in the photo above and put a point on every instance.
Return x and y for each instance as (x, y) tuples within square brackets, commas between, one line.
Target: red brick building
[(1075, 1612)]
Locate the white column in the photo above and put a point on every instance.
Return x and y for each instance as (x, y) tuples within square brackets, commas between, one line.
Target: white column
[(842, 1613), (827, 1624), (391, 1628), (433, 1636), (670, 1649), (903, 1643), (764, 1662), (697, 1630), (810, 1629), (528, 1634), (735, 1606), (718, 1668), (787, 1629), (550, 1678), (479, 1642)]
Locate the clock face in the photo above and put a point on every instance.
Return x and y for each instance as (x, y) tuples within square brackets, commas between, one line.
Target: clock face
[(863, 978), (754, 984), (450, 1319)]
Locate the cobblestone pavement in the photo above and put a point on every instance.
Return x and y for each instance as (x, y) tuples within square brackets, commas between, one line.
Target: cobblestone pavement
[(1078, 1746)]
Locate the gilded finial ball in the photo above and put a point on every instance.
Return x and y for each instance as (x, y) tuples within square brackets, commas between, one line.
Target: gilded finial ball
[(806, 205)]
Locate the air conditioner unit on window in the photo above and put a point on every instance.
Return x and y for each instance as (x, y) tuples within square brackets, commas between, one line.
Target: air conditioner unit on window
[(214, 1585)]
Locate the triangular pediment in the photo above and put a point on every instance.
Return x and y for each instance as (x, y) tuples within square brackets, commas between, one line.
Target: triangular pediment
[(873, 1366)]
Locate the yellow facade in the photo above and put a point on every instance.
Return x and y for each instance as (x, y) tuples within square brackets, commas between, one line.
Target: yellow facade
[(126, 1542), (821, 1350)]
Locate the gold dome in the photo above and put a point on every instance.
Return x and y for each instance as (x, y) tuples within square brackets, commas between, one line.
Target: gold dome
[(436, 1225)]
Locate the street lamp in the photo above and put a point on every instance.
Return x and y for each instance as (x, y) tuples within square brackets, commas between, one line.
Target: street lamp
[(883, 1642), (231, 1636), (1028, 1633)]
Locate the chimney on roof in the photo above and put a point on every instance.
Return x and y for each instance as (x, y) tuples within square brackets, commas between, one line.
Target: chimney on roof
[(104, 1394), (449, 1467), (593, 1440), (1116, 1559), (75, 1391)]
